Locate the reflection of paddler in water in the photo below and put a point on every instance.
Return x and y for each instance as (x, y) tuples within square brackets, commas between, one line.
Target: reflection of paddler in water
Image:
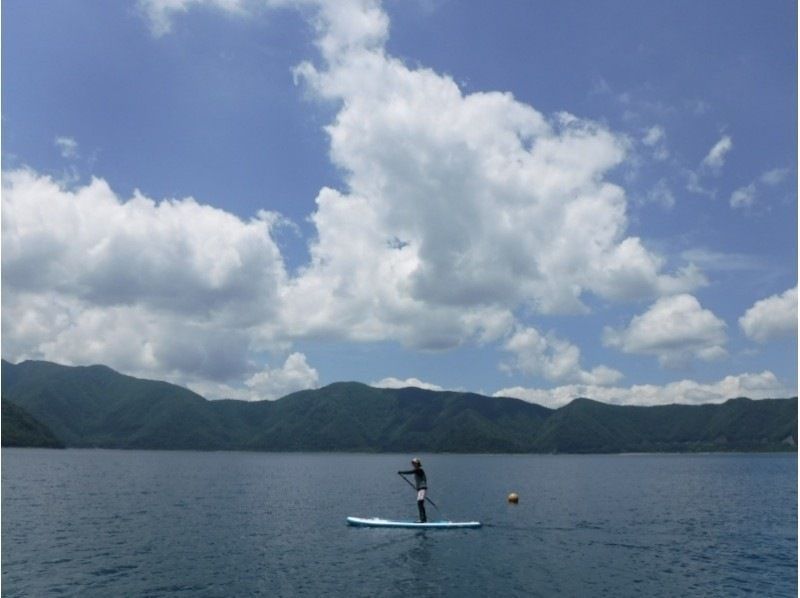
[(421, 484)]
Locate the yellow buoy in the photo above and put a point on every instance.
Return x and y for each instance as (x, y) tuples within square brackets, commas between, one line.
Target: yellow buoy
[(513, 498)]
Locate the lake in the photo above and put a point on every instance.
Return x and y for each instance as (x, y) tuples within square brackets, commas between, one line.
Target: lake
[(151, 523)]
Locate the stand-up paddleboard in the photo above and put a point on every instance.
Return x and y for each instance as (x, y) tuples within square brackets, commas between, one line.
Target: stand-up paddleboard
[(376, 522)]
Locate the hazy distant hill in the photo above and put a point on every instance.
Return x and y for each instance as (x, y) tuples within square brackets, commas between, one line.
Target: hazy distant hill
[(96, 406)]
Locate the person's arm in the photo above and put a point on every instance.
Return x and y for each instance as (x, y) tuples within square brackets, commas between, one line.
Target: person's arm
[(409, 472)]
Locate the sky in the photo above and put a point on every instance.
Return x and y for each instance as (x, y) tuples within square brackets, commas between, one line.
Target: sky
[(540, 200)]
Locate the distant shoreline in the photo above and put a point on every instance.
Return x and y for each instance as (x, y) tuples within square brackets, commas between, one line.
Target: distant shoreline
[(96, 407), (399, 454)]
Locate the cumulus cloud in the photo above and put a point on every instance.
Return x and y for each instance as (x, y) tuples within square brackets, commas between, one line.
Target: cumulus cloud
[(458, 208), (755, 386), (715, 158), (172, 288), (771, 318), (674, 329), (408, 382), (274, 383), (553, 358), (458, 212), (268, 383)]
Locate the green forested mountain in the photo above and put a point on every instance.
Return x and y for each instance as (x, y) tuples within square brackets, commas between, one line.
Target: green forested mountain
[(98, 407), (21, 429), (586, 426)]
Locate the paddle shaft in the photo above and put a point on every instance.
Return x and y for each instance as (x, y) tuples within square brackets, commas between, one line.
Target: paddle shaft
[(414, 487)]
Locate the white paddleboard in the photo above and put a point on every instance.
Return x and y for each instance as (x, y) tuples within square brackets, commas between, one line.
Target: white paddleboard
[(376, 522)]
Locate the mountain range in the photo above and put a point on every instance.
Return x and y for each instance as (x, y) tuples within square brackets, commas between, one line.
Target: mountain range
[(95, 406)]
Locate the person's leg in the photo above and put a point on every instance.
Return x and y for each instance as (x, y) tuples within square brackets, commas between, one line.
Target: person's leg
[(421, 505)]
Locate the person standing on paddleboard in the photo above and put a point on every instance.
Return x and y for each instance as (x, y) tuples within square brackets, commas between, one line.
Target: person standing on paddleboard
[(421, 484)]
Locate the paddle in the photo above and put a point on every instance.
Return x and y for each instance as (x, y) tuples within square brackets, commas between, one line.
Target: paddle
[(414, 487)]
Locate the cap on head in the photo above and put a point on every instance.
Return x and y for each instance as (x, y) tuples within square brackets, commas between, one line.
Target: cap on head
[(415, 461)]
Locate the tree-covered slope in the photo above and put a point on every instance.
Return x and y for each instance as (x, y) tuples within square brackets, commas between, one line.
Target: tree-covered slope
[(20, 429), (96, 406), (353, 416), (738, 424)]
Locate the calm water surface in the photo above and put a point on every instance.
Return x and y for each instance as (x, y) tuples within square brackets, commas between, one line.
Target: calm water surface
[(131, 523)]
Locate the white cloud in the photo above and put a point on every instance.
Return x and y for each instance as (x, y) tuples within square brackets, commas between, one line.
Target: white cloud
[(715, 158), (712, 163), (774, 176), (458, 211), (662, 195), (743, 197), (754, 386), (269, 384), (67, 146), (274, 383), (653, 135), (553, 358), (771, 318), (408, 382), (694, 184), (654, 138), (174, 288), (160, 13), (456, 205), (348, 26), (675, 329), (717, 261)]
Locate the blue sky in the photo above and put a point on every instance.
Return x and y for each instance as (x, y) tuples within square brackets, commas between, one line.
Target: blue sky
[(542, 200)]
